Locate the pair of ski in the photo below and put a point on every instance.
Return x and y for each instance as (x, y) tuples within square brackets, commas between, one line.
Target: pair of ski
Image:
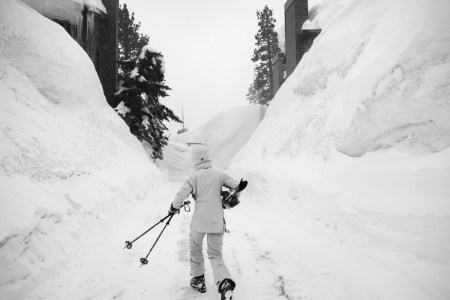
[(231, 199)]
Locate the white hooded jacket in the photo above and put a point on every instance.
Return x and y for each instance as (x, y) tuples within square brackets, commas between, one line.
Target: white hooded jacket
[(206, 184)]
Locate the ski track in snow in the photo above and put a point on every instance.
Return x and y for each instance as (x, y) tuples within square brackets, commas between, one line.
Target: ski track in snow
[(274, 251)]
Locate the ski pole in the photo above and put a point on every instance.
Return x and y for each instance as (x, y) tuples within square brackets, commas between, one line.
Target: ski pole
[(187, 208), (144, 260), (129, 244)]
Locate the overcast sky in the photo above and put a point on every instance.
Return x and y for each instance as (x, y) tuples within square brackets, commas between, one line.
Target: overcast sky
[(207, 46)]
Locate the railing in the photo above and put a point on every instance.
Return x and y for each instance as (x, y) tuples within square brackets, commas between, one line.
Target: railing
[(197, 144)]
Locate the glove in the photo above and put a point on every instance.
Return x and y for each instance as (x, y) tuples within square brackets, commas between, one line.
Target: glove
[(173, 210)]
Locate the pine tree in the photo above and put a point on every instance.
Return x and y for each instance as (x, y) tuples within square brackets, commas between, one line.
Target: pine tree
[(142, 86), (252, 95), (261, 90), (130, 40)]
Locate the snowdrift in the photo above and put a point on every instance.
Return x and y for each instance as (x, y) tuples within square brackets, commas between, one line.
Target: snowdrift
[(177, 161), (366, 103), (225, 133), (64, 152)]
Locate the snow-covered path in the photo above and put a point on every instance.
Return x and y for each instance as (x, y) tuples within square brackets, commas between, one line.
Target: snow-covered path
[(101, 269), (298, 247)]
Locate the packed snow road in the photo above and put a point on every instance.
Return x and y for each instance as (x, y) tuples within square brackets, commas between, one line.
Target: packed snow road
[(299, 247), (101, 269)]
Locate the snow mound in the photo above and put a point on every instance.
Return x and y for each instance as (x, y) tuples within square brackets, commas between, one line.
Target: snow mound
[(322, 12), (59, 72), (64, 152), (53, 109), (367, 83), (54, 119), (376, 80), (177, 161), (225, 133)]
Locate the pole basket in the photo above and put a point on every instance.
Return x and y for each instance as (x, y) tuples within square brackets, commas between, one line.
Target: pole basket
[(128, 245), (143, 261)]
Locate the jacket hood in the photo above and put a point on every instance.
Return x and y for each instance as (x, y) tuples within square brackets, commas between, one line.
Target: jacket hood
[(200, 158)]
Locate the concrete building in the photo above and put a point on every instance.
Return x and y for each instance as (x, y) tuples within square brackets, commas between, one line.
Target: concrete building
[(298, 41), (278, 71), (94, 25)]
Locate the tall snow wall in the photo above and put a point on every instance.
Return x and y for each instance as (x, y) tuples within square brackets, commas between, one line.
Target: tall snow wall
[(63, 149), (225, 133), (377, 77)]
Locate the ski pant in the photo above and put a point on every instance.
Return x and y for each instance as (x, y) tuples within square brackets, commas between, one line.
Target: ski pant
[(214, 240)]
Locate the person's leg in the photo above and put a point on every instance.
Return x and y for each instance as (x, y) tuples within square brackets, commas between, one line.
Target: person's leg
[(220, 271), (197, 261)]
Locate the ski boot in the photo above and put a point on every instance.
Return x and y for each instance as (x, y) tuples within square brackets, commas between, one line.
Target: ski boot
[(198, 283), (226, 288)]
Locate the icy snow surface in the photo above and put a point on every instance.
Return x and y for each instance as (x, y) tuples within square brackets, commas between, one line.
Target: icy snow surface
[(348, 172)]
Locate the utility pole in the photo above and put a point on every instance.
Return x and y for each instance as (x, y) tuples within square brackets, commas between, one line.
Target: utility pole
[(182, 116)]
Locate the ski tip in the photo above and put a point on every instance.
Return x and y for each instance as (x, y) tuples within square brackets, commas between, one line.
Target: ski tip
[(242, 184)]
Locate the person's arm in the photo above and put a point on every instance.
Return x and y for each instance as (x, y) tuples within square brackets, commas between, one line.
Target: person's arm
[(229, 182), (182, 194)]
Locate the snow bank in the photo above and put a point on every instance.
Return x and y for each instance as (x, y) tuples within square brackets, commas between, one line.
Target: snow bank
[(225, 133), (321, 13), (177, 161), (64, 152), (67, 81), (376, 78)]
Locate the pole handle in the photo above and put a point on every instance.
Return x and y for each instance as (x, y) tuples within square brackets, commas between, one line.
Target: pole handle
[(186, 206)]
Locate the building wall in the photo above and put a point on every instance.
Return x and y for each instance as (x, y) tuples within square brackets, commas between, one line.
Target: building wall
[(302, 45), (107, 37), (309, 37), (290, 36), (295, 13), (278, 68), (297, 41)]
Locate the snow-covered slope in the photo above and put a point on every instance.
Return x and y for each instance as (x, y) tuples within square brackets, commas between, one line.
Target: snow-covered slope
[(64, 152), (376, 78), (351, 163), (177, 161), (225, 133)]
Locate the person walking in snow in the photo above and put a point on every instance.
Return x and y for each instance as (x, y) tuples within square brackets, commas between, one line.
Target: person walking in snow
[(208, 219)]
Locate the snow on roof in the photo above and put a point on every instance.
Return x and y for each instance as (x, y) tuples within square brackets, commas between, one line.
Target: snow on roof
[(321, 13), (65, 10), (94, 5)]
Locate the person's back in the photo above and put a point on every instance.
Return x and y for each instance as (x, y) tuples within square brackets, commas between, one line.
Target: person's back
[(208, 214)]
